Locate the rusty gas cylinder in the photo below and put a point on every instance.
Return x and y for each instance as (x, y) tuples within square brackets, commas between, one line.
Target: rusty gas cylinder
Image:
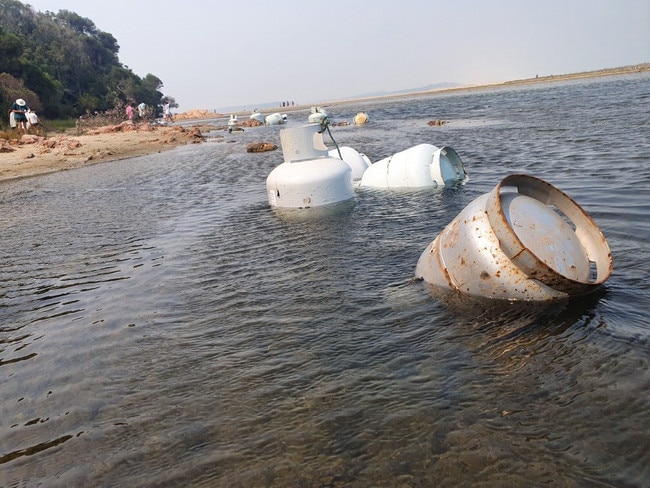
[(525, 240)]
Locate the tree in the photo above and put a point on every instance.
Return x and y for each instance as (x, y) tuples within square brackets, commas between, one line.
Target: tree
[(69, 63), (10, 51)]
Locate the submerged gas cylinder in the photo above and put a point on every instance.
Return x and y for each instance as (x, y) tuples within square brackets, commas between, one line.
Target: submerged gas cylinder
[(421, 166), (275, 119), (258, 116), (525, 240), (357, 161), (317, 114), (309, 177)]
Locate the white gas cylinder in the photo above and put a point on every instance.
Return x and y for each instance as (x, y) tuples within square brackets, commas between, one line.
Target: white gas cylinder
[(308, 177), (421, 166)]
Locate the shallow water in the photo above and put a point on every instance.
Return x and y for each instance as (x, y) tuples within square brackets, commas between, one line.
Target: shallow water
[(160, 325)]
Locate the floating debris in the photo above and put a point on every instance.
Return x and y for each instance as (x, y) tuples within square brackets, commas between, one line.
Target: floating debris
[(421, 166), (309, 176), (525, 240), (257, 147), (360, 118)]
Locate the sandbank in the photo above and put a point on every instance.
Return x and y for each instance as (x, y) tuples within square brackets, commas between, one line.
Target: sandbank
[(537, 80)]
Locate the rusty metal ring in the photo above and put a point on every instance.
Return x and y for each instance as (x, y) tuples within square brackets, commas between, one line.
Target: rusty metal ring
[(588, 233)]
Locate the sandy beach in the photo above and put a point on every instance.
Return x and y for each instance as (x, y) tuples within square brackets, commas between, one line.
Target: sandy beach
[(31, 155)]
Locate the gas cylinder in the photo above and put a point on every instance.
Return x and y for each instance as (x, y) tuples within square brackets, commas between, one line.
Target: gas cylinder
[(525, 240)]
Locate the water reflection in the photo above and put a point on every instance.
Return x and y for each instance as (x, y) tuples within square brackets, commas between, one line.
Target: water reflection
[(515, 332), (325, 213)]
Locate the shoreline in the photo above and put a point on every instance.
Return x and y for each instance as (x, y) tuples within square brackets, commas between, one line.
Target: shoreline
[(623, 70), (34, 156)]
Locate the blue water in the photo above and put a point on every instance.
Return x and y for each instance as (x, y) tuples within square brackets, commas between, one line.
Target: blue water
[(160, 325)]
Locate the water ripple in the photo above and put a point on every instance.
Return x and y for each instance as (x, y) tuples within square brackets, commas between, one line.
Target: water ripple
[(161, 314)]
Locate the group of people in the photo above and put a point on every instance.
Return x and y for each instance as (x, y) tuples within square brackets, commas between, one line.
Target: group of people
[(22, 118), (130, 112), (142, 108)]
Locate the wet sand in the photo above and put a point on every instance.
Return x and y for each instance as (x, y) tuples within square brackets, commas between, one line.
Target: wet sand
[(32, 155)]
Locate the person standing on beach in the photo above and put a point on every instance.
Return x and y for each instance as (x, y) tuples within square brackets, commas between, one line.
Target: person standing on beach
[(32, 121), (141, 110), (19, 109), (167, 114), (129, 111)]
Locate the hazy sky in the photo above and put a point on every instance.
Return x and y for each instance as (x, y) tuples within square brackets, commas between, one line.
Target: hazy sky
[(214, 54)]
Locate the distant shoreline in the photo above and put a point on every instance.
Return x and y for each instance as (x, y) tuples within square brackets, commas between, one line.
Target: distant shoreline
[(38, 156), (637, 68)]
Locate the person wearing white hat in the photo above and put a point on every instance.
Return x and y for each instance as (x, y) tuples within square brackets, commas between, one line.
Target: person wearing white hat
[(19, 110)]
